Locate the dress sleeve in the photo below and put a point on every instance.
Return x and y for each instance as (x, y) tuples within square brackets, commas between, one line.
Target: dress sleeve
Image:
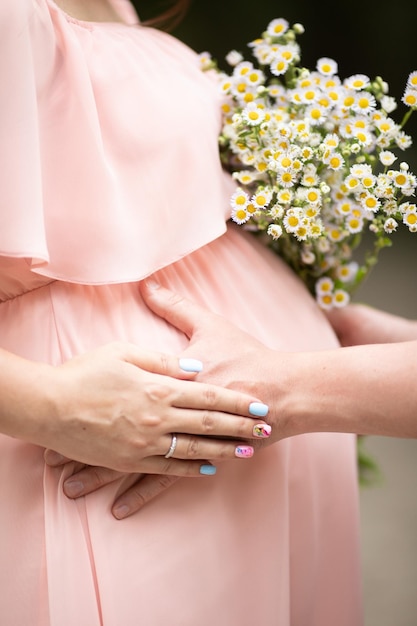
[(26, 43), (90, 192)]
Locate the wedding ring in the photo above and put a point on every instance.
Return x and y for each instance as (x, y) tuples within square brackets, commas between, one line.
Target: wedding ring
[(172, 447)]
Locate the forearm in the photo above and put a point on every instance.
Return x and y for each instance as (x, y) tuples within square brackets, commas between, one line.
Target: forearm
[(363, 389), (23, 396)]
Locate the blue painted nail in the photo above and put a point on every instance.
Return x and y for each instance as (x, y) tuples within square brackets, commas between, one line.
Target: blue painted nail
[(191, 365), (259, 409), (208, 470)]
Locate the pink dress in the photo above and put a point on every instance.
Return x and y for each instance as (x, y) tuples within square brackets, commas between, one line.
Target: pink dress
[(110, 172)]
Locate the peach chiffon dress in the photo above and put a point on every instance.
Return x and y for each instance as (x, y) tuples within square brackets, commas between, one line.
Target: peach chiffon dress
[(110, 172)]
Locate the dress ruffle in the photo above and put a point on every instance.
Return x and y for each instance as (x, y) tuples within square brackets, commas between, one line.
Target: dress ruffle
[(88, 205)]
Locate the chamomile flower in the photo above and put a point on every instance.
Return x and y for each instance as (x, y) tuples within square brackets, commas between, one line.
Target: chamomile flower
[(286, 178), (354, 223), (245, 177), (326, 66), (410, 97), (279, 66), (370, 202), (403, 141), (276, 211), (387, 157), (412, 80), (388, 104), (277, 27), (275, 231), (390, 225), (340, 298), (315, 114), (325, 300), (239, 199), (364, 103), (307, 256), (285, 196), (334, 160), (253, 115), (261, 198), (347, 272), (206, 61), (234, 57), (410, 220), (293, 220), (357, 82), (324, 285)]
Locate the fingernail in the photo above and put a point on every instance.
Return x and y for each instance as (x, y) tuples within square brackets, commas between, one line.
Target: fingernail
[(208, 470), (259, 409), (152, 283), (121, 511), (190, 365), (262, 430), (73, 488), (244, 452)]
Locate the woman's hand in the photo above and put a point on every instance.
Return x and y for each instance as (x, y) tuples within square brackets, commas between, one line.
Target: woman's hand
[(109, 408), (231, 358)]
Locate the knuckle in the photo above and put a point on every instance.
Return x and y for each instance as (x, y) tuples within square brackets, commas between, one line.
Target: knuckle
[(135, 499), (163, 482), (226, 451), (244, 427), (158, 391), (164, 363), (176, 300), (210, 396), (207, 422), (97, 476), (193, 448)]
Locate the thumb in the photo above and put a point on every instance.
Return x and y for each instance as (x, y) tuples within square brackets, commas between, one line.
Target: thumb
[(176, 310)]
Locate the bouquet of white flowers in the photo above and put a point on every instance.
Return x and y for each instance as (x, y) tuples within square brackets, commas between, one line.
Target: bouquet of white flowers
[(313, 157)]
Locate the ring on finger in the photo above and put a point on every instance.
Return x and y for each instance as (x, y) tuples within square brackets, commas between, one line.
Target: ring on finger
[(172, 447)]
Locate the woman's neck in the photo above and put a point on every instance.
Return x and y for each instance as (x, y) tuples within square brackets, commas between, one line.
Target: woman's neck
[(90, 10)]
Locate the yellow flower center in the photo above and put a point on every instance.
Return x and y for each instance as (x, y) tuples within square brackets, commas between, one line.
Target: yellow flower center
[(363, 103), (371, 202)]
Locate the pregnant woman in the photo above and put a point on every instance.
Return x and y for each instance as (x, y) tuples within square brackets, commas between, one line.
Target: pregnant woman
[(110, 174)]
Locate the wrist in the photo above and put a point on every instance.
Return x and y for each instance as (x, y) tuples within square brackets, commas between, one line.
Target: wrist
[(26, 403)]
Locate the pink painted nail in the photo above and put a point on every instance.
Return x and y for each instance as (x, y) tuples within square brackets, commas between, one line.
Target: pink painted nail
[(244, 452), (262, 430)]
